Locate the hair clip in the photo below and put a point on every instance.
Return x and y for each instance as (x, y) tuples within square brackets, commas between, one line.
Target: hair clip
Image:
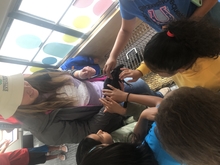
[(170, 34)]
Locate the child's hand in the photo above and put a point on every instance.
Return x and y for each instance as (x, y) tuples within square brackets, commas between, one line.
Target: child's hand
[(4, 146), (134, 74), (112, 107), (86, 72), (7, 142), (115, 94)]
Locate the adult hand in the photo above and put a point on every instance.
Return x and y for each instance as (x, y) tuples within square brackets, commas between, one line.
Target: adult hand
[(86, 72), (134, 74), (115, 94), (112, 107), (109, 66)]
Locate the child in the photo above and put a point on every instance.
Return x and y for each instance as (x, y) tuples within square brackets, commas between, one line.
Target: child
[(188, 123), (32, 156), (187, 128), (100, 148), (157, 14), (186, 50)]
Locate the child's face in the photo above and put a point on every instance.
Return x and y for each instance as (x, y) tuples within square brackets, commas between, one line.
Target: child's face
[(103, 137), (30, 94)]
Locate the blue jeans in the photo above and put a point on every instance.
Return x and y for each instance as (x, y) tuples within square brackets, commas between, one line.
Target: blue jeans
[(140, 87)]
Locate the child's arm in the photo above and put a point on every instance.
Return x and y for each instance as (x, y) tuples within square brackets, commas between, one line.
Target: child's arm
[(120, 96), (134, 74), (204, 9), (4, 146), (141, 127)]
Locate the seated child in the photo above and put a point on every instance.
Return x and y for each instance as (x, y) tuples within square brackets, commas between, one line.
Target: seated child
[(100, 147), (191, 134)]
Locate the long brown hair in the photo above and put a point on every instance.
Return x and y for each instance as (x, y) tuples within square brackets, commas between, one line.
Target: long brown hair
[(47, 82), (188, 123)]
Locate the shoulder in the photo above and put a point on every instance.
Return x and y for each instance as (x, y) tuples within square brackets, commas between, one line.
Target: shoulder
[(204, 63)]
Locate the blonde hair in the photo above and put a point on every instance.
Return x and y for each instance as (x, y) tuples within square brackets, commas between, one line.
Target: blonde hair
[(188, 123), (47, 82)]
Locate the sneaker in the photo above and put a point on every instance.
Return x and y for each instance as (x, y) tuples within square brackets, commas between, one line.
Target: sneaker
[(62, 157), (164, 90), (64, 148)]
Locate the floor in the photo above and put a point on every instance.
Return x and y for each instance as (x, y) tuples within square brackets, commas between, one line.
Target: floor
[(70, 155)]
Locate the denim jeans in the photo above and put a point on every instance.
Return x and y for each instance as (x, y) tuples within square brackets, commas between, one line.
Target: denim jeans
[(140, 87)]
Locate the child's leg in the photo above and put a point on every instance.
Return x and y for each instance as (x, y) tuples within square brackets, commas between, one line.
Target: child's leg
[(40, 158), (58, 148), (59, 156), (53, 148), (140, 87), (36, 158)]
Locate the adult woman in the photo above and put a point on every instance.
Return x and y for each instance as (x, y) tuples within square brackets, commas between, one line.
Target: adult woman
[(56, 107), (157, 14)]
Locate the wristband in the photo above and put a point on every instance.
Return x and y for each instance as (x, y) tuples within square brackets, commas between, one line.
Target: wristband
[(126, 101), (127, 97)]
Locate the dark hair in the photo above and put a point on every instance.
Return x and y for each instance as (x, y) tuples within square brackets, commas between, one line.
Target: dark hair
[(120, 154), (188, 123), (192, 40), (84, 147)]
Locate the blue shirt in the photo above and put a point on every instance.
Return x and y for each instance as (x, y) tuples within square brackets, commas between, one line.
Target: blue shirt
[(79, 62), (156, 13), (162, 157)]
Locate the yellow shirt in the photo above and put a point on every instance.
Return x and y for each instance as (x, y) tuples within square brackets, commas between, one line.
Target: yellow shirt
[(205, 72)]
